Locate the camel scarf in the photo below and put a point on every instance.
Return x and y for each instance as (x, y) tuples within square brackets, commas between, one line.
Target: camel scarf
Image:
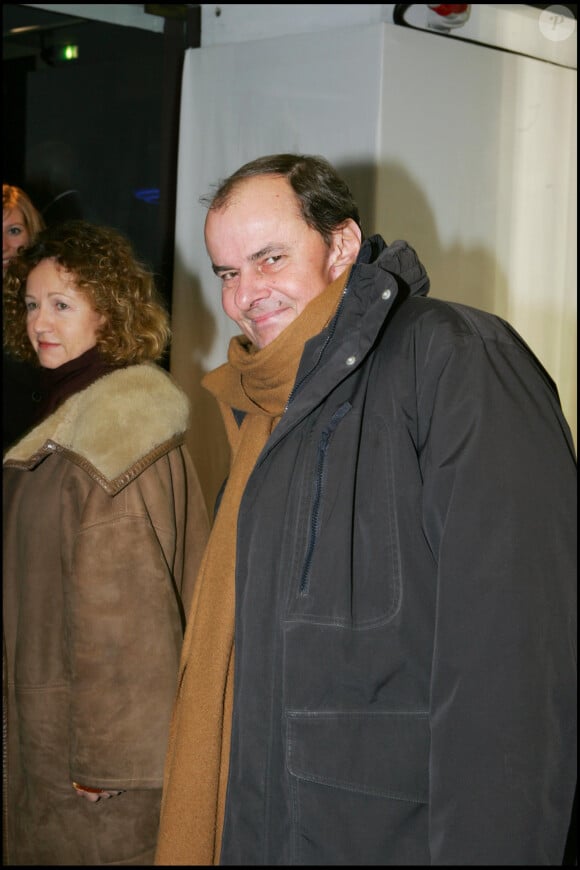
[(257, 382)]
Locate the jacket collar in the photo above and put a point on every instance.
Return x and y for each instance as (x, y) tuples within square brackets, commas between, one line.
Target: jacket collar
[(114, 428), (382, 277)]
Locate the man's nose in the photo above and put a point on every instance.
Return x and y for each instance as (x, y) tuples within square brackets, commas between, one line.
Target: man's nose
[(251, 288)]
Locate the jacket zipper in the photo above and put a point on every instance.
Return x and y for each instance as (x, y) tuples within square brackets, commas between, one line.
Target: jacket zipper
[(331, 330), (318, 486)]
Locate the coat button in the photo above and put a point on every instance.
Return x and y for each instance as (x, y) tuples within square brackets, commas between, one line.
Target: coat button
[(350, 360), (386, 294)]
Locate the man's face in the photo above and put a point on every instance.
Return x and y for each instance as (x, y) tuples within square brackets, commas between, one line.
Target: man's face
[(270, 262)]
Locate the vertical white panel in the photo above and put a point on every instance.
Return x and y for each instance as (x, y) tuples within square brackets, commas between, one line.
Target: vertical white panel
[(477, 162)]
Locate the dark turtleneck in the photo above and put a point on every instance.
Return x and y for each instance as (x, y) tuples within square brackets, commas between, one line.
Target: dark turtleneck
[(58, 385)]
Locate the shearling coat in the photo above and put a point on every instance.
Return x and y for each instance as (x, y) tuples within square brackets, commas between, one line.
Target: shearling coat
[(104, 529), (405, 630)]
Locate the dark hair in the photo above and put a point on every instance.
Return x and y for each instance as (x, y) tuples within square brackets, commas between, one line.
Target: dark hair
[(325, 199), (104, 268)]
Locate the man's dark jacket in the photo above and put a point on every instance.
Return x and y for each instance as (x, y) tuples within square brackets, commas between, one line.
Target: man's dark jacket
[(405, 685)]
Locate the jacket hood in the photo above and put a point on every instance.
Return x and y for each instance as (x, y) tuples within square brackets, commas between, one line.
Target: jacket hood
[(114, 428), (382, 276), (399, 259)]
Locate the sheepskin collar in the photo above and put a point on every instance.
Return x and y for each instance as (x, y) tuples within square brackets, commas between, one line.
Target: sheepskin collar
[(114, 428)]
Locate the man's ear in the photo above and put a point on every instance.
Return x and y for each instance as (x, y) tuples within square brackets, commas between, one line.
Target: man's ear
[(346, 242)]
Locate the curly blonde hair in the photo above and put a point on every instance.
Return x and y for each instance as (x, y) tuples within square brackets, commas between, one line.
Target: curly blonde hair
[(104, 267), (14, 197)]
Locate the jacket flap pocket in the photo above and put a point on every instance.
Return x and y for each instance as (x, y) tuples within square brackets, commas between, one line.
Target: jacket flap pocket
[(386, 754)]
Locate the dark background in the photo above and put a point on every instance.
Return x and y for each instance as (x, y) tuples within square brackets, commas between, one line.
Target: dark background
[(96, 136)]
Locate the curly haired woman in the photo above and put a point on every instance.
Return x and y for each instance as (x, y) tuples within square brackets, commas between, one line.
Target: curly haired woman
[(104, 529)]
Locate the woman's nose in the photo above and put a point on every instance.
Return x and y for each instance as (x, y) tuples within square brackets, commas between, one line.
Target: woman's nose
[(40, 319)]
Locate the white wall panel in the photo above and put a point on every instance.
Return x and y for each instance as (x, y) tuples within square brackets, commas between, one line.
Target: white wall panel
[(477, 160)]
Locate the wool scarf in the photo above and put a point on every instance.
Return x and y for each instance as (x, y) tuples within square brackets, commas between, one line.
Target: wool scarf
[(259, 382)]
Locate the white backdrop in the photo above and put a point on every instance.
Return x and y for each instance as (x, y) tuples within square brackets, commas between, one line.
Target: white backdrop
[(467, 152)]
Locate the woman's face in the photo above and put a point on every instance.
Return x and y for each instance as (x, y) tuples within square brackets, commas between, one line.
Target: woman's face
[(61, 321), (14, 234)]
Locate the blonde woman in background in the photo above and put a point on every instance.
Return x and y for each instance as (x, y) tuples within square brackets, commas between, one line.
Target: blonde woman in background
[(21, 222)]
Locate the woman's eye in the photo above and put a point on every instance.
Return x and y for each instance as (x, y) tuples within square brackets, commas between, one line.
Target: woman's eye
[(61, 306), (30, 306)]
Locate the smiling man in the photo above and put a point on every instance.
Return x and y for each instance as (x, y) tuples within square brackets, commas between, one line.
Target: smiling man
[(270, 261), (378, 667)]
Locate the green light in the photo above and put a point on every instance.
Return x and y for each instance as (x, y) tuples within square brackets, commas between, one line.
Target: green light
[(70, 52)]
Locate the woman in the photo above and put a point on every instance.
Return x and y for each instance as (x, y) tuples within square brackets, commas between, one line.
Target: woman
[(21, 222), (21, 393), (104, 528)]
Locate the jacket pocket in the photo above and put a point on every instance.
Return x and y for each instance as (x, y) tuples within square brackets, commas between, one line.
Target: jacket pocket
[(359, 784), (345, 563), (319, 475)]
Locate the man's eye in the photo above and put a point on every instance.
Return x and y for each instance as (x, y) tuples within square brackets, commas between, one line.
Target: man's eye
[(271, 261)]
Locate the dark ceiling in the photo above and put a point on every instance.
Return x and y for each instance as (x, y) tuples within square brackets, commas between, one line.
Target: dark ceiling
[(42, 34)]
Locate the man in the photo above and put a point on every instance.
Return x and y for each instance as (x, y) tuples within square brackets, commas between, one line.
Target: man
[(379, 665)]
